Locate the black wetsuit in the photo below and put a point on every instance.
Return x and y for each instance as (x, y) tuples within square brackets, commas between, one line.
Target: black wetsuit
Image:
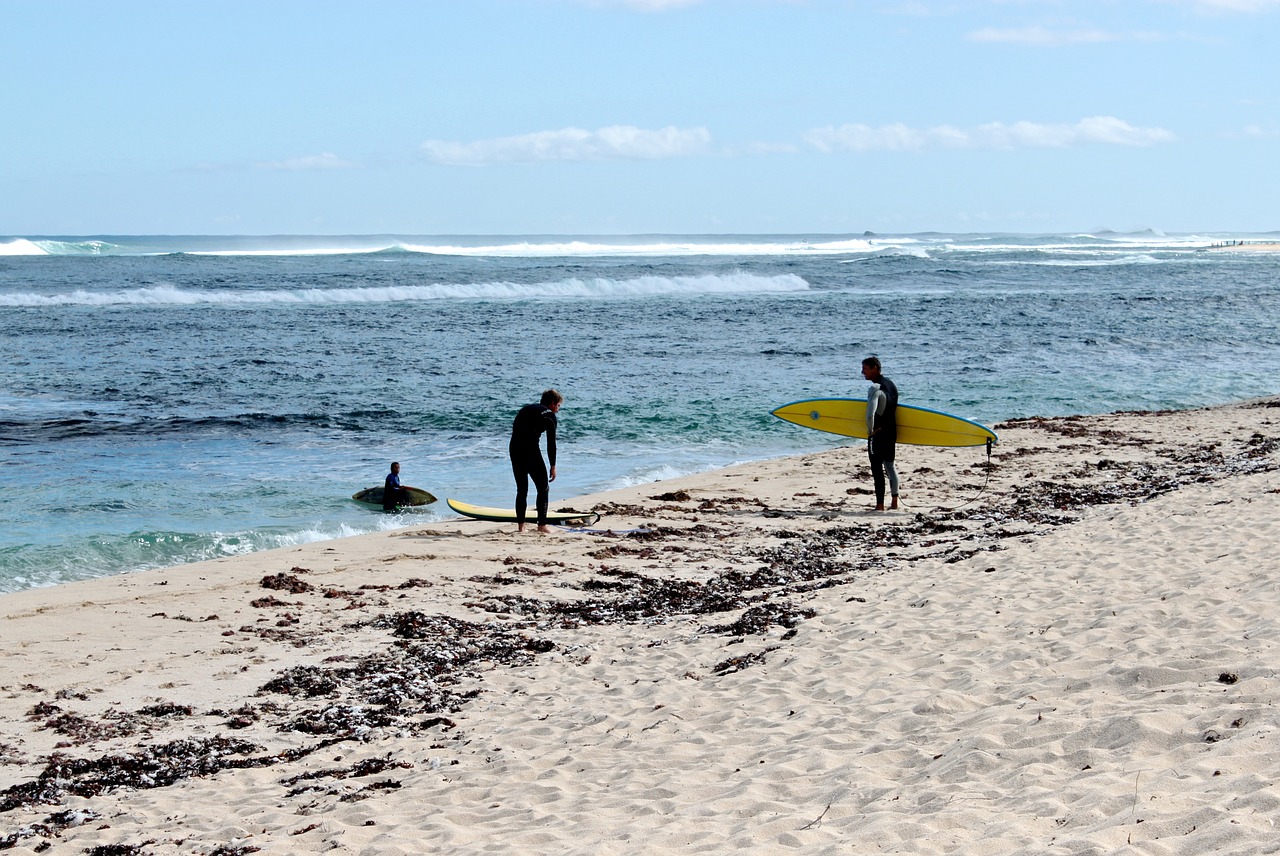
[(526, 459), (883, 447), (392, 493)]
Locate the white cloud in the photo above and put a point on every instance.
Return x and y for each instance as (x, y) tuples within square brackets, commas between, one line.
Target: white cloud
[(1106, 130), (1042, 36), (616, 142), (1252, 132), (328, 160)]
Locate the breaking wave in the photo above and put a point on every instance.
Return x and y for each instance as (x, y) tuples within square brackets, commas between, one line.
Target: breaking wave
[(645, 286)]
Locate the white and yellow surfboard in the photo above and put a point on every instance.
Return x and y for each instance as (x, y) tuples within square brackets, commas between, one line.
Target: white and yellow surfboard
[(508, 515), (917, 426)]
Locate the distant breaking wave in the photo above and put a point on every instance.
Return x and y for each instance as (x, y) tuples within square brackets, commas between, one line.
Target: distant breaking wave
[(27, 247), (513, 247), (645, 286), (588, 246), (689, 247), (22, 247)]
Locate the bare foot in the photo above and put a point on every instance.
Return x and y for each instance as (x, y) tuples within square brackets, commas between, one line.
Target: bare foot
[(880, 507), (544, 530), (893, 506), (519, 527)]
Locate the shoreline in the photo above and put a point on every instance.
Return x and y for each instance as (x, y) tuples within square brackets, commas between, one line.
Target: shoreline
[(767, 664), (1247, 247)]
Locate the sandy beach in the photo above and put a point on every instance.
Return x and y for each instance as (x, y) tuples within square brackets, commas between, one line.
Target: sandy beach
[(1067, 649)]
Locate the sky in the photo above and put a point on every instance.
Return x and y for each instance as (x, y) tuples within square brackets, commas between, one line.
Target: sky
[(561, 117)]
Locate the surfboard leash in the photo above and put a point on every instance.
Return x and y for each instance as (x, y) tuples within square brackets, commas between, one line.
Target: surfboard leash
[(983, 490)]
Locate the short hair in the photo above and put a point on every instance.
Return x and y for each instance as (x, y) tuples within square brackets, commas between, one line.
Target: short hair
[(551, 397), (395, 463), (872, 362)]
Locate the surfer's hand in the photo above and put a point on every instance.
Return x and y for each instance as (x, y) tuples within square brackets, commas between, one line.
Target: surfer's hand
[(553, 474)]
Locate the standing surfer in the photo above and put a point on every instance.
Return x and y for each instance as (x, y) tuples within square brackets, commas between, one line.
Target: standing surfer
[(530, 423), (882, 430)]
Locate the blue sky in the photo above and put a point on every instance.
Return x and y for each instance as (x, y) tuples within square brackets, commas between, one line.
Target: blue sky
[(614, 117)]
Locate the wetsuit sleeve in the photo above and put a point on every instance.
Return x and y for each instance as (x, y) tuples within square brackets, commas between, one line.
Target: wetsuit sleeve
[(551, 439), (875, 406)]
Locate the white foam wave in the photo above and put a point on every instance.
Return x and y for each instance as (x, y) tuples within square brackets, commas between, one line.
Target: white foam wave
[(296, 251), (629, 245), (569, 248), (651, 474), (498, 248), (1107, 261), (690, 247), (1083, 244), (21, 247), (906, 251), (167, 295)]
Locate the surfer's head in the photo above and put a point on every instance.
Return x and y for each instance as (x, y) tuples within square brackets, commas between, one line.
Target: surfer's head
[(871, 367), (552, 398)]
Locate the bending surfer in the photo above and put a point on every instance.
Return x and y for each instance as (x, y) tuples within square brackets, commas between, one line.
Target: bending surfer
[(882, 430), (531, 422)]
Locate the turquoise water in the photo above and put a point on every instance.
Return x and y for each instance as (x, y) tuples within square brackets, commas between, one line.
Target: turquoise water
[(169, 399)]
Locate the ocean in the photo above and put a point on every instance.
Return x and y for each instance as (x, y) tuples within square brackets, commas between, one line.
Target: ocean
[(169, 399)]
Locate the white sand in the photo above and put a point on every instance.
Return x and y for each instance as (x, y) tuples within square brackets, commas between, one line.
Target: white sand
[(1015, 678)]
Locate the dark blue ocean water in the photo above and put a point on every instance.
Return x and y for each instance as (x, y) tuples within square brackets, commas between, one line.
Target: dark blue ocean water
[(169, 399)]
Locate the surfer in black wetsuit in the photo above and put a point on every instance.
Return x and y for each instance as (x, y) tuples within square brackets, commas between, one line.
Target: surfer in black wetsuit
[(393, 494), (882, 430), (526, 458)]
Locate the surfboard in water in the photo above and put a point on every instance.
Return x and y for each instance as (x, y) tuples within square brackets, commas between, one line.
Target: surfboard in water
[(917, 426), (373, 496), (508, 515)]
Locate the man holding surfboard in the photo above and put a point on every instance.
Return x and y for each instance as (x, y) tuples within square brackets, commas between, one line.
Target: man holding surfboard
[(882, 430), (531, 422)]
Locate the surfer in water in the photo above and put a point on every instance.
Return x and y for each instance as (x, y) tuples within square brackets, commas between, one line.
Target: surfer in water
[(882, 430), (531, 422), (393, 493)]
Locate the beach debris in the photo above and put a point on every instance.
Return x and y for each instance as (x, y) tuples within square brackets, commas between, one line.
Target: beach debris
[(757, 620), (737, 664), (50, 827), (673, 496), (395, 689), (114, 723), (147, 767), (120, 849), (816, 822), (287, 582), (367, 767)]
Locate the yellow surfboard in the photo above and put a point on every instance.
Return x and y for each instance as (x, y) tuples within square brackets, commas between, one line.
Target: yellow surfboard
[(508, 515), (917, 426)]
